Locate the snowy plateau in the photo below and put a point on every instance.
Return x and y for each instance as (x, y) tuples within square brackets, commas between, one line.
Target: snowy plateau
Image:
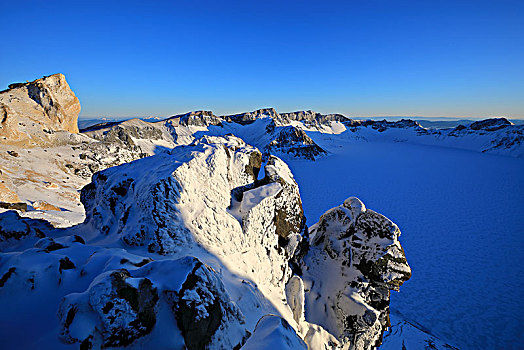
[(260, 230)]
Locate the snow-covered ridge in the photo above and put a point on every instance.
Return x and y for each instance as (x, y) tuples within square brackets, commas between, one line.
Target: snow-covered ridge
[(269, 130), (160, 243)]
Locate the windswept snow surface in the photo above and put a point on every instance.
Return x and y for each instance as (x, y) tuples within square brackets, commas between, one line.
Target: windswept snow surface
[(460, 213)]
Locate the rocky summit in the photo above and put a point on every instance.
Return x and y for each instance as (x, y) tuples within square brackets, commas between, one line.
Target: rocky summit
[(29, 111), (190, 232)]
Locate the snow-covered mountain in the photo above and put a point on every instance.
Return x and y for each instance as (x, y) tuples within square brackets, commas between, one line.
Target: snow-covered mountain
[(305, 134), (190, 231)]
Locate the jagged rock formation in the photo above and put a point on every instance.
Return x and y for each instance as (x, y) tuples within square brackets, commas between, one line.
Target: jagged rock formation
[(294, 141), (354, 260), (250, 117), (165, 213), (310, 118), (29, 111), (383, 125), (135, 196), (490, 124), (196, 118)]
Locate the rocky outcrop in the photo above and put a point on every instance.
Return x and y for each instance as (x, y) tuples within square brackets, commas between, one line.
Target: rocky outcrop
[(132, 139), (30, 112), (124, 132), (250, 117), (204, 310), (15, 229), (263, 219), (196, 118), (310, 118), (124, 305), (145, 211), (490, 124), (43, 205), (124, 311), (383, 125), (295, 142), (353, 262)]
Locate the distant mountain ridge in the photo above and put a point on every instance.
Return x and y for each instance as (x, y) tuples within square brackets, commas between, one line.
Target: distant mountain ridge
[(495, 135)]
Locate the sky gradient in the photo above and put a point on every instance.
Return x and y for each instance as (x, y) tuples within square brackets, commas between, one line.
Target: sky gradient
[(359, 58)]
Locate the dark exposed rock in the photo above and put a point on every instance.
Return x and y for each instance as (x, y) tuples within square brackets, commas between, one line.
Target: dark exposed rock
[(255, 163), (310, 118), (125, 304), (490, 124), (79, 239), (66, 264), (198, 316), (12, 227), (250, 117), (48, 244), (383, 125), (196, 118), (294, 141), (126, 311), (6, 276), (16, 206)]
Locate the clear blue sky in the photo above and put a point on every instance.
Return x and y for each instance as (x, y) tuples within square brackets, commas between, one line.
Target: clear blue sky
[(363, 58)]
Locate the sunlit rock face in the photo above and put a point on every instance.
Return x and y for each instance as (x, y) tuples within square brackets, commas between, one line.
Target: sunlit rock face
[(29, 111)]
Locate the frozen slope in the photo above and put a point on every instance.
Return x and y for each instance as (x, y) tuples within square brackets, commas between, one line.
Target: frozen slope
[(460, 213)]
